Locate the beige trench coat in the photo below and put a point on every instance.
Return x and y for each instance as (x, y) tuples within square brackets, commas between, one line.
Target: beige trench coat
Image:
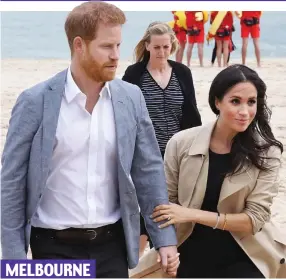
[(252, 192)]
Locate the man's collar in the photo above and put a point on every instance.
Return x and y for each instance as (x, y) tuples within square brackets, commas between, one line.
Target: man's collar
[(72, 90)]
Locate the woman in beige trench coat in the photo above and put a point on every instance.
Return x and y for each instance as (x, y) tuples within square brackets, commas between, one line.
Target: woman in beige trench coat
[(222, 178)]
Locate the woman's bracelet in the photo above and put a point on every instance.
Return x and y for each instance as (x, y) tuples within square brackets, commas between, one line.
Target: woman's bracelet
[(217, 221), (225, 222)]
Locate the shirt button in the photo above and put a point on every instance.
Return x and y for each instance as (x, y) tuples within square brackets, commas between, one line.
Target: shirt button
[(282, 261)]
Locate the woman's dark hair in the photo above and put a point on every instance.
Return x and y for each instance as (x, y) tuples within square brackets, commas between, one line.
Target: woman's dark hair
[(248, 147)]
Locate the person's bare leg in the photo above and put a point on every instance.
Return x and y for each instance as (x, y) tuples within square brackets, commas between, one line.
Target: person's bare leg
[(189, 54), (257, 51), (219, 52), (180, 52), (244, 49), (201, 53), (143, 244), (225, 52)]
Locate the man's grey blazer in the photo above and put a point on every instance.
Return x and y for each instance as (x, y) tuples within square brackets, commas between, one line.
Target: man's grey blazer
[(28, 150)]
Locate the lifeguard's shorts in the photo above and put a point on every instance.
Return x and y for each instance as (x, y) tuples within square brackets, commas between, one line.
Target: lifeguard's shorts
[(253, 30), (225, 38), (199, 39), (181, 36)]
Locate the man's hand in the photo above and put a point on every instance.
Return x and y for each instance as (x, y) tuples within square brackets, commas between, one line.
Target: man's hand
[(169, 258)]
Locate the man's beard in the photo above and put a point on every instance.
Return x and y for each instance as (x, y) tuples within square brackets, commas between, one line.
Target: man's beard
[(98, 72)]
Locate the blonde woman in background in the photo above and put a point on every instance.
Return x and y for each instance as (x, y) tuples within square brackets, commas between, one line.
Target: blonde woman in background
[(167, 86)]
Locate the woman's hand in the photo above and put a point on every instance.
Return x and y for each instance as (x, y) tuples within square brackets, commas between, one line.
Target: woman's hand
[(172, 213)]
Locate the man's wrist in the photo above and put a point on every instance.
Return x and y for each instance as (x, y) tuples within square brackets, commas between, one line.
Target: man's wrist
[(167, 246)]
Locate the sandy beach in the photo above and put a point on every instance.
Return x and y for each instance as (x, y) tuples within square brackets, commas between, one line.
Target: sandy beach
[(17, 75)]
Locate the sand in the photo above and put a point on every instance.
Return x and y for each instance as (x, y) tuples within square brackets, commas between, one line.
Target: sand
[(18, 75)]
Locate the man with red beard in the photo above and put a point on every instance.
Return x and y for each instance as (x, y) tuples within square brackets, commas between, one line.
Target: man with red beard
[(81, 157), (250, 26)]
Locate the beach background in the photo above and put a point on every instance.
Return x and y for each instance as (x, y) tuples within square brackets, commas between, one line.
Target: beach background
[(34, 48), (40, 35)]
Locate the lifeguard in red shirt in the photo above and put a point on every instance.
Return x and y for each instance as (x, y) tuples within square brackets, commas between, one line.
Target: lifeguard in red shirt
[(250, 26), (179, 27), (195, 21), (221, 33)]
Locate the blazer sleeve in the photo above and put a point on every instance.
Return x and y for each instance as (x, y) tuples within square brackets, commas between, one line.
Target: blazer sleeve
[(22, 127), (259, 202), (192, 88), (172, 169), (148, 175)]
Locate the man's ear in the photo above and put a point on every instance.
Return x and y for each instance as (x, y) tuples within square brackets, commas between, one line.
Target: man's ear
[(78, 45)]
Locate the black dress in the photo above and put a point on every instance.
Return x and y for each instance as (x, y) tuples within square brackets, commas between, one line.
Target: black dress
[(164, 107), (210, 253)]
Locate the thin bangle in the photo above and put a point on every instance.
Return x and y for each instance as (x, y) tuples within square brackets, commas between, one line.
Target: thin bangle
[(225, 222), (217, 221)]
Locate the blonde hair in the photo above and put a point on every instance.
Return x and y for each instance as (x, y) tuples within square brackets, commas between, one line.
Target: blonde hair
[(155, 28)]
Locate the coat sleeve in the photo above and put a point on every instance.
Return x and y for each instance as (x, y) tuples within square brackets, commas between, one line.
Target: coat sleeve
[(196, 117), (148, 175), (192, 88), (22, 127), (258, 203), (172, 169), (127, 75)]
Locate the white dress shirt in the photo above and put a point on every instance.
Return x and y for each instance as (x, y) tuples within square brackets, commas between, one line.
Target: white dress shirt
[(82, 186)]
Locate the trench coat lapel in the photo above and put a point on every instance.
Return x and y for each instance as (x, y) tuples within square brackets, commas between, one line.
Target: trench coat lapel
[(231, 184)]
